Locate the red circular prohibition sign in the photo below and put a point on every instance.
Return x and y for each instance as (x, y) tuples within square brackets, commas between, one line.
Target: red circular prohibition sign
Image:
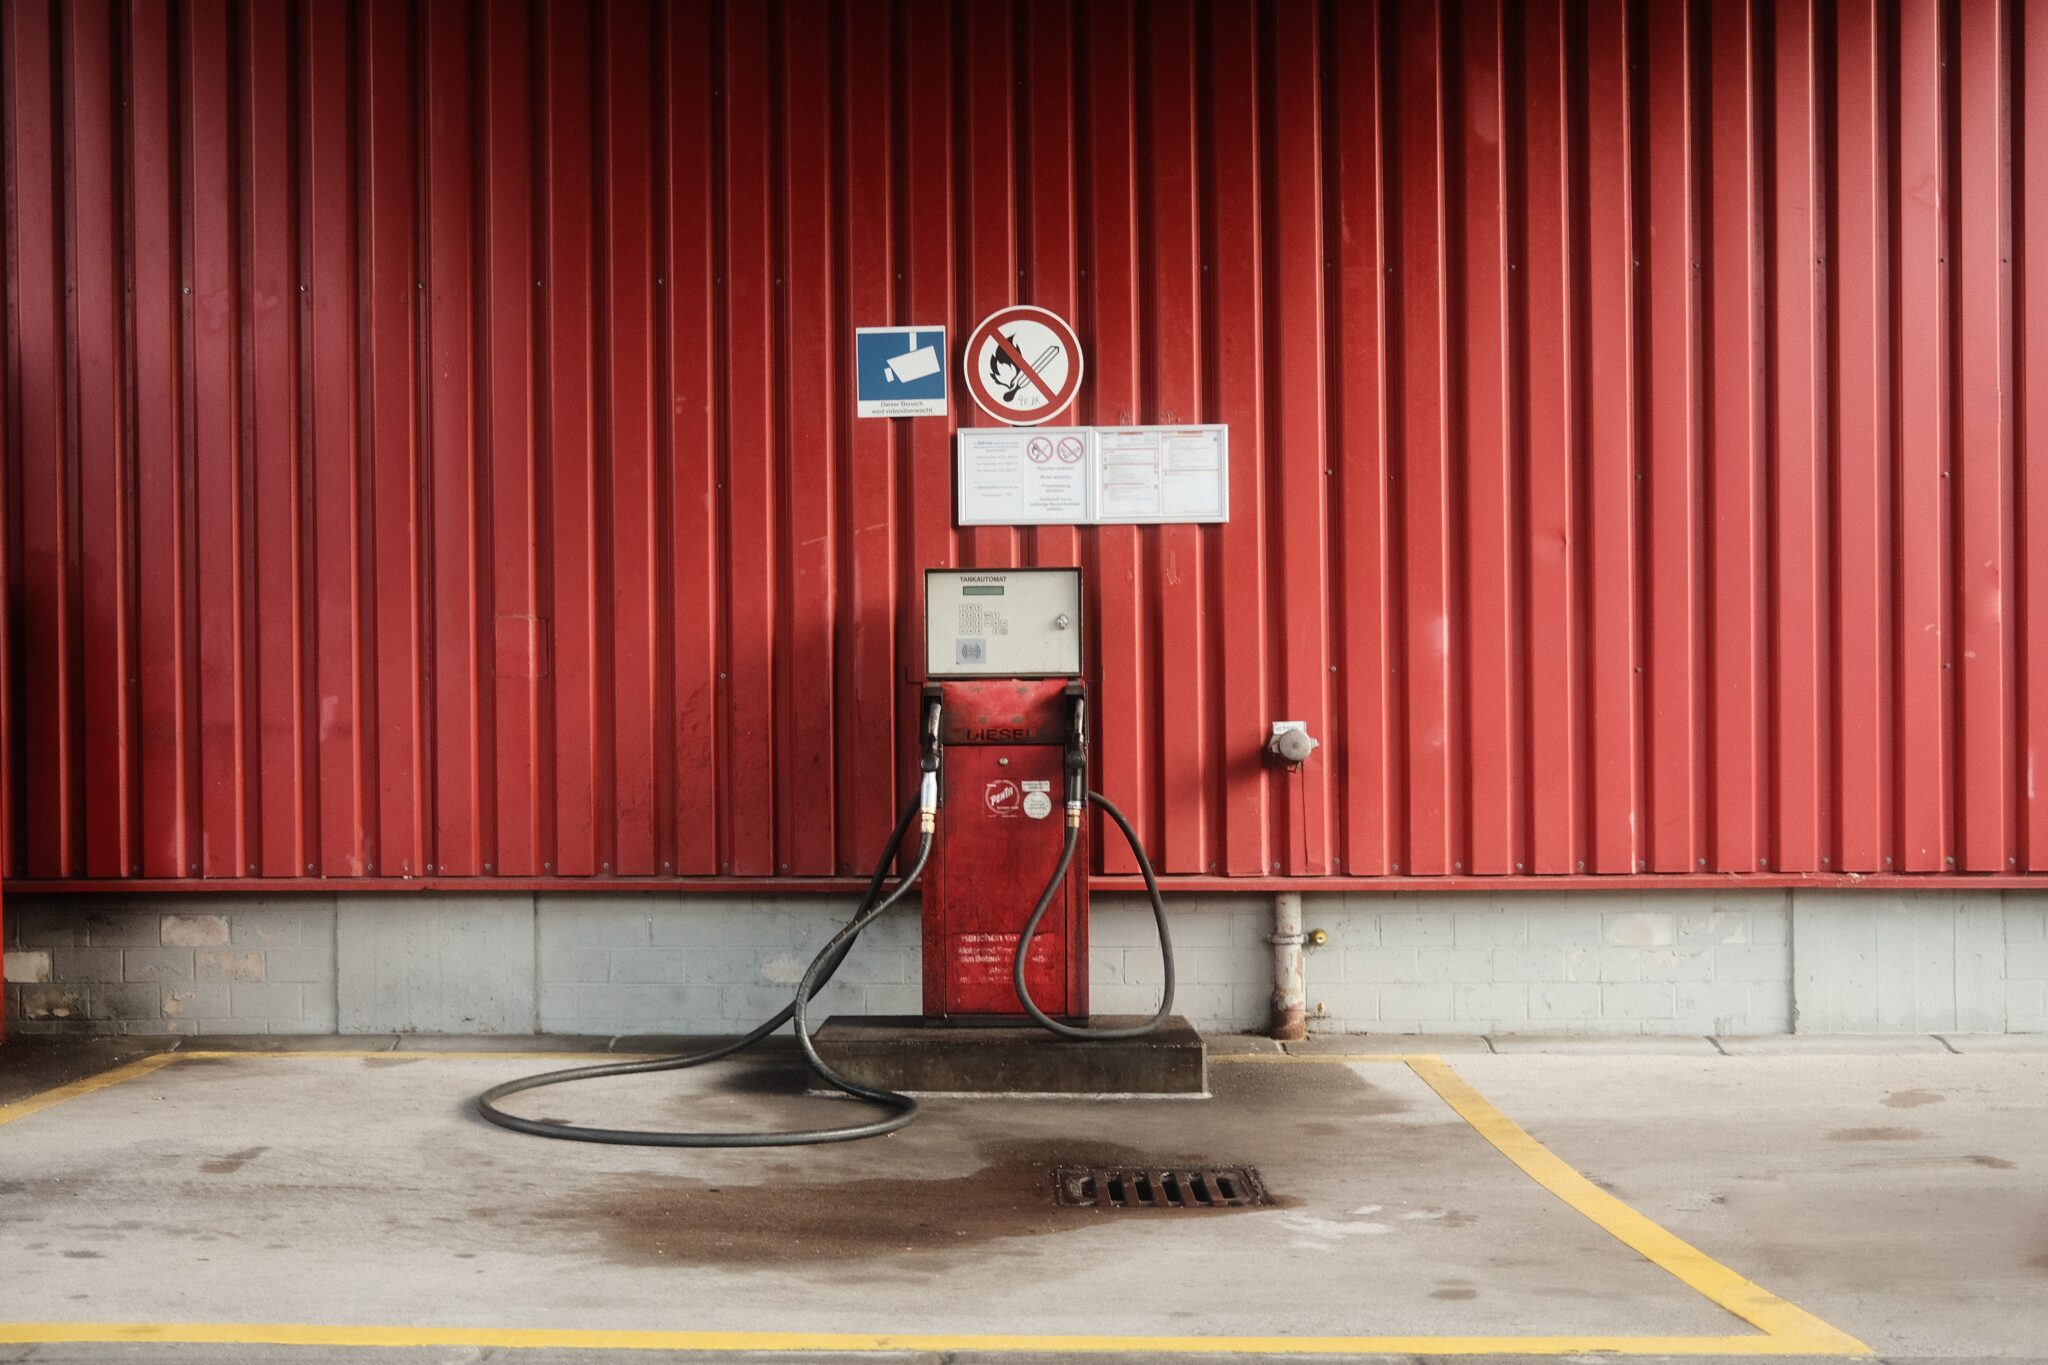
[(1024, 369)]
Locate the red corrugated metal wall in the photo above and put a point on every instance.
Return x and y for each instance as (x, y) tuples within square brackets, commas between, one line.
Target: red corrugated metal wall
[(429, 443)]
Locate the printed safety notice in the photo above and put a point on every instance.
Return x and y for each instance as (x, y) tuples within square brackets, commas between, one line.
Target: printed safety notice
[(1067, 476)]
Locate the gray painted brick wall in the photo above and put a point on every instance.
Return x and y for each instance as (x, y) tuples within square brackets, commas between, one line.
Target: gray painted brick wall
[(170, 964), (1907, 962), (1550, 962), (1731, 962)]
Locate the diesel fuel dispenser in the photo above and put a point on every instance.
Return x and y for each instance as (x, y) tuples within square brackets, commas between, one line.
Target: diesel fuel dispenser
[(1001, 811)]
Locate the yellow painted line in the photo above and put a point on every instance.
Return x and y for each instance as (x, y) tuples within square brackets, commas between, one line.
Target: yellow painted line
[(1692, 1267), (219, 1054), (302, 1334), (35, 1104), (1319, 1057)]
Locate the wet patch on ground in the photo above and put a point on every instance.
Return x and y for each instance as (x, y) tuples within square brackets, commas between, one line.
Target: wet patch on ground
[(30, 1066), (795, 1212), (232, 1162), (1876, 1135), (1912, 1099)]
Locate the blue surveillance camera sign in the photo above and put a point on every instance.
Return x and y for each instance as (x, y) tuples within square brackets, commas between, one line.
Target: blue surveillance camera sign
[(900, 371)]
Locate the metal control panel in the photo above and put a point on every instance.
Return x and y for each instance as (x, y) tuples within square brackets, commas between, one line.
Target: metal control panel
[(1004, 623)]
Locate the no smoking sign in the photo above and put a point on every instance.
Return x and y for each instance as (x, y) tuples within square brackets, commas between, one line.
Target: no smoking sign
[(1023, 366)]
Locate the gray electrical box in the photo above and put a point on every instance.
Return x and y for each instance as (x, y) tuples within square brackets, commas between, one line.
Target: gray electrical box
[(1003, 623)]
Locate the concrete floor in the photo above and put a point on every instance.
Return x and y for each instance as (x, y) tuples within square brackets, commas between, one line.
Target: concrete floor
[(1896, 1191)]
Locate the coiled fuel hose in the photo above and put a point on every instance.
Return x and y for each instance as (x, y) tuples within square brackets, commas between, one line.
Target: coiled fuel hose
[(1059, 876), (924, 807)]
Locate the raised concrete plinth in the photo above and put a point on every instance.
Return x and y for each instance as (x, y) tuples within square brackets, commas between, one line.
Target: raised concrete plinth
[(909, 1054)]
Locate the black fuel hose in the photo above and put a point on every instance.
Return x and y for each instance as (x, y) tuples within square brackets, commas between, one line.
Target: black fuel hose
[(1059, 875), (828, 961)]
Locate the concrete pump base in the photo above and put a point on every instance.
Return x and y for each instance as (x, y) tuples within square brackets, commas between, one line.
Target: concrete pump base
[(935, 1058)]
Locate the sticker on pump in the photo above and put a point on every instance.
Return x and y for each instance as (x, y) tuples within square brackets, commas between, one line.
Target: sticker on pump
[(1002, 796), (1038, 805)]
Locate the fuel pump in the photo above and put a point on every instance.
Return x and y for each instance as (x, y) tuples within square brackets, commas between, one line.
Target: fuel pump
[(1002, 725), (1003, 655)]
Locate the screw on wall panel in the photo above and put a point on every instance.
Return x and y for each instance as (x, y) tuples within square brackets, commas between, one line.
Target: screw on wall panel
[(1703, 862), (1397, 867), (487, 867), (606, 866), (1457, 867), (1582, 864), (1518, 867), (547, 867)]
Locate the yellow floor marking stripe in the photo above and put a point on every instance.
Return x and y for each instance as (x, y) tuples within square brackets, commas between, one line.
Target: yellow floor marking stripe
[(1402, 1057), (299, 1334), (218, 1054), (1691, 1266), (35, 1104)]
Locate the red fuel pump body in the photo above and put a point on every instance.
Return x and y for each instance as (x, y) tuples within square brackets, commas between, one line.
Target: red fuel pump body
[(1002, 820)]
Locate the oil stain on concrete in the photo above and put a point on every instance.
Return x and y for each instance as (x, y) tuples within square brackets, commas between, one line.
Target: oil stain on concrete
[(232, 1162), (889, 1225), (1876, 1135)]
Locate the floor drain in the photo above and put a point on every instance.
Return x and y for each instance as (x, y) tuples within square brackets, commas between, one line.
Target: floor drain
[(1159, 1187)]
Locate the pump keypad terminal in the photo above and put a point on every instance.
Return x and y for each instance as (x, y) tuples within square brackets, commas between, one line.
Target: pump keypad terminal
[(1006, 623)]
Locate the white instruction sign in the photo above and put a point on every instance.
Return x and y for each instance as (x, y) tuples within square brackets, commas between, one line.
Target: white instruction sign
[(1162, 474), (1026, 476), (1089, 476)]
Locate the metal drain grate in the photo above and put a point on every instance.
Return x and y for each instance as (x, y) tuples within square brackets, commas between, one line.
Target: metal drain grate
[(1159, 1187)]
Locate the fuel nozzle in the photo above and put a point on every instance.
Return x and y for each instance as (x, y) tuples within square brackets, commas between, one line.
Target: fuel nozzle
[(1077, 753), (931, 752)]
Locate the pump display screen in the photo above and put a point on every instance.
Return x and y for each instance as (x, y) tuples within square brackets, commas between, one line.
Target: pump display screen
[(1002, 623)]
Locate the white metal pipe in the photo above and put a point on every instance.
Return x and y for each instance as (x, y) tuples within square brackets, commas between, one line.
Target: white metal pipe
[(1290, 994)]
